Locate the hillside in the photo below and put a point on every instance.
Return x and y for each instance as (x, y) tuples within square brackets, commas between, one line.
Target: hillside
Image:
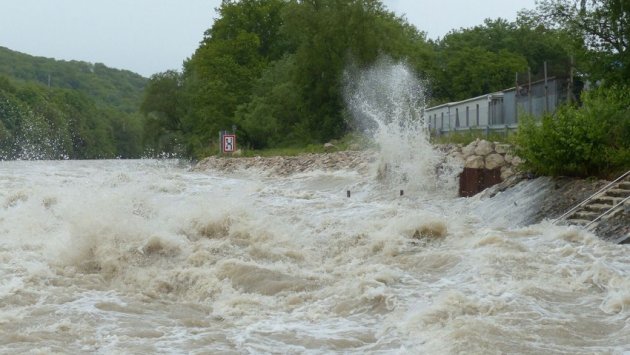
[(52, 109), (108, 87)]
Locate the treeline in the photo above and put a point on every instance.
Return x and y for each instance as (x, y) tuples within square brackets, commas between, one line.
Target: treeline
[(108, 87), (68, 110), (274, 69)]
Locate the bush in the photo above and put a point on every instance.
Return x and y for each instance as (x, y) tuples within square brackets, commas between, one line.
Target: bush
[(589, 140)]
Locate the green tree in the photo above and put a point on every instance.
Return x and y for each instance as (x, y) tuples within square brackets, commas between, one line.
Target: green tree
[(55, 109), (218, 79), (162, 110), (329, 35), (485, 58), (275, 68), (220, 76), (272, 116), (601, 29)]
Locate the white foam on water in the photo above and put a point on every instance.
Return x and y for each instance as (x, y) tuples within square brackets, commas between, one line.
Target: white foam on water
[(141, 256), (386, 101)]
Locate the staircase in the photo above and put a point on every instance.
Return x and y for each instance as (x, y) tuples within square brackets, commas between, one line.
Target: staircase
[(611, 200)]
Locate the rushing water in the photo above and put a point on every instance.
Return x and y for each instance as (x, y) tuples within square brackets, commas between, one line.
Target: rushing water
[(151, 257)]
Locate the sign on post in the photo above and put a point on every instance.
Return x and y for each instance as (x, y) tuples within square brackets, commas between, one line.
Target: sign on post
[(229, 143)]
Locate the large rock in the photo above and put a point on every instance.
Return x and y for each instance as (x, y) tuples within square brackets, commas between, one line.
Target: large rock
[(508, 158), (474, 162), (457, 156), (494, 161), (470, 149), (501, 148), (506, 172), (516, 161), (484, 148)]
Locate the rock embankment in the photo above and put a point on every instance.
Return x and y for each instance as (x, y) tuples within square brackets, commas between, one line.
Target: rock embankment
[(482, 154), (287, 165)]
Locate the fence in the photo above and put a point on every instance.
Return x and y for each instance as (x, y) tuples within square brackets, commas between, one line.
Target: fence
[(534, 94)]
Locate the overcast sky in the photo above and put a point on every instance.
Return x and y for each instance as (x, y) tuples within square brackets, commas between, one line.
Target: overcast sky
[(150, 36)]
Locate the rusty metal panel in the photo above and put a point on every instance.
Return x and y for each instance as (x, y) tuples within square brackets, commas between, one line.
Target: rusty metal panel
[(473, 181)]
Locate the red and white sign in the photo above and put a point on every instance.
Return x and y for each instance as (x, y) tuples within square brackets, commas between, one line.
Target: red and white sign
[(229, 143)]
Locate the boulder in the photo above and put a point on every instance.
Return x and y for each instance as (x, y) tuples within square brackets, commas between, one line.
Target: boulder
[(329, 146), (508, 158), (494, 161), (506, 172), (469, 149), (457, 156), (501, 148), (474, 162), (516, 161), (484, 148)]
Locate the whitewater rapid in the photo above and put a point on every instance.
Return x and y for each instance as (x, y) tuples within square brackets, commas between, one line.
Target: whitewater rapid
[(151, 257)]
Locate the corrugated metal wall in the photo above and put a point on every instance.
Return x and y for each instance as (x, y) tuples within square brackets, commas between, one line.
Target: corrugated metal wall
[(495, 110)]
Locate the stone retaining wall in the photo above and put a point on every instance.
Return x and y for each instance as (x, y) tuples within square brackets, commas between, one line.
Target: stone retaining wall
[(482, 154)]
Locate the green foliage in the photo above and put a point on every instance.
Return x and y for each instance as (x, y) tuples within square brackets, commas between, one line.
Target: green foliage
[(37, 122), (592, 140), (53, 109), (599, 30), (350, 141), (270, 118), (221, 74), (108, 87), (466, 137), (162, 113), (274, 68), (484, 59)]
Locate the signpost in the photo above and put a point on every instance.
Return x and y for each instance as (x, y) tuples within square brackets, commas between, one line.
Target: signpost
[(228, 143)]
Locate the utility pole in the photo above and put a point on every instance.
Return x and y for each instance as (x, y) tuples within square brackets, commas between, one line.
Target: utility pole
[(529, 90), (516, 94), (570, 88), (546, 90)]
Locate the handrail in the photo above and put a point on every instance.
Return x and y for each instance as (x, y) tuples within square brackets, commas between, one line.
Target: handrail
[(608, 211), (591, 197)]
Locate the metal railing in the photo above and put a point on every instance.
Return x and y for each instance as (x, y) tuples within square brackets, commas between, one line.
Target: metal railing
[(607, 212), (583, 203)]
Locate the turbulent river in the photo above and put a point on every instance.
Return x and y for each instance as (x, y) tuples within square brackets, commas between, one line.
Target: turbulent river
[(151, 256)]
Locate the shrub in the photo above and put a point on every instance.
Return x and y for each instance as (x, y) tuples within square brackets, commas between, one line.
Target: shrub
[(588, 140)]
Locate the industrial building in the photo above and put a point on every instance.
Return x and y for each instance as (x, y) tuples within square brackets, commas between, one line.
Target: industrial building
[(498, 111)]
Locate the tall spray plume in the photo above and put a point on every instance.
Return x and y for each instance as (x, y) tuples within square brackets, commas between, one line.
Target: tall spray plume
[(386, 102)]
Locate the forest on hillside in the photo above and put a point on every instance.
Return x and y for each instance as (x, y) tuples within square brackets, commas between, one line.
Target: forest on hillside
[(274, 68), (53, 109)]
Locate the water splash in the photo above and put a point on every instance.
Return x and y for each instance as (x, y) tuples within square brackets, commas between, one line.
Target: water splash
[(386, 101)]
